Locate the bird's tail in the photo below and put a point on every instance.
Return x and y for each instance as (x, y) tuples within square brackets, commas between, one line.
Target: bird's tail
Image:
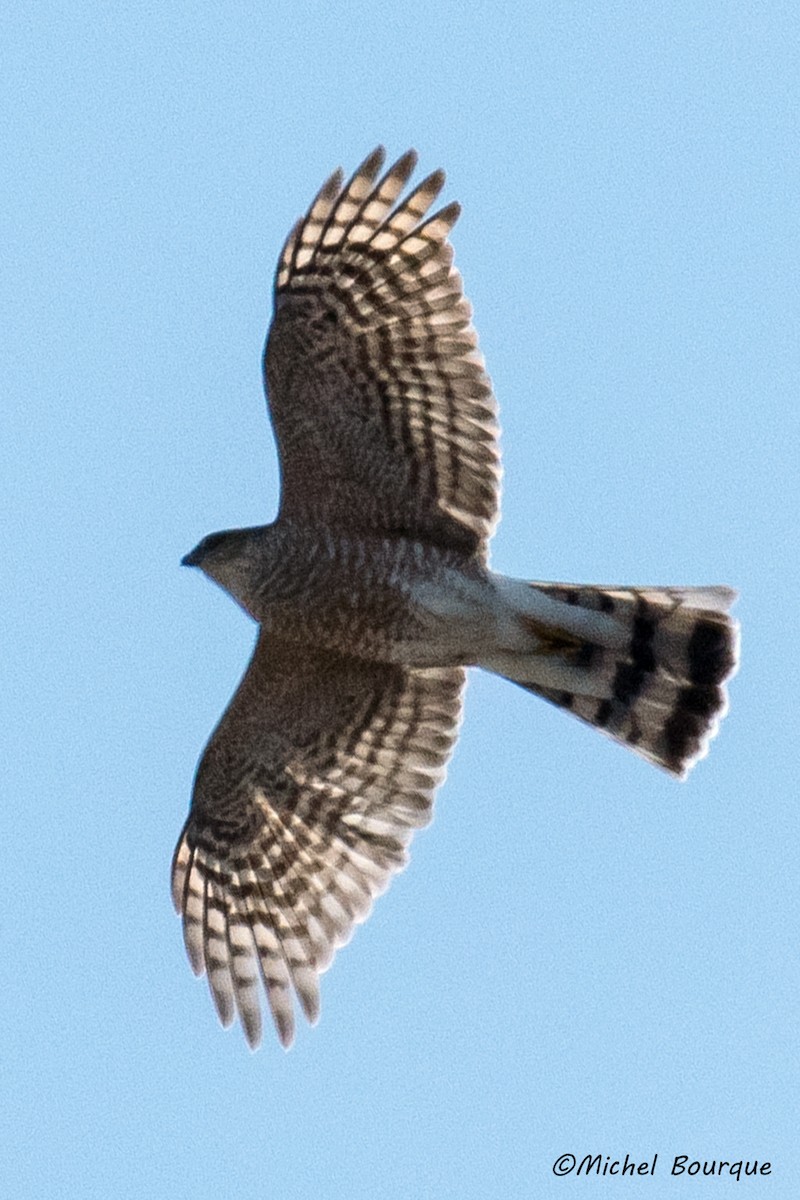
[(647, 666)]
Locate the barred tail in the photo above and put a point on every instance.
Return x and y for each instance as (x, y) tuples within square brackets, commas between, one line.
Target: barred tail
[(647, 666)]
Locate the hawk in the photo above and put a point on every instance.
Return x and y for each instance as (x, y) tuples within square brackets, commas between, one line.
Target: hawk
[(373, 594)]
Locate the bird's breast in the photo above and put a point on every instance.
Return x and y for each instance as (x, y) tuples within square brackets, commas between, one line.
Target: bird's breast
[(391, 599)]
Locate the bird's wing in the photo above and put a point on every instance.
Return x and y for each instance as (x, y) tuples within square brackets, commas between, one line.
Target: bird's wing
[(384, 415), (305, 799)]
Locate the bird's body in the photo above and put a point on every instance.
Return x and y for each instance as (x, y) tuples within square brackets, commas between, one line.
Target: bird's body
[(400, 600), (373, 593)]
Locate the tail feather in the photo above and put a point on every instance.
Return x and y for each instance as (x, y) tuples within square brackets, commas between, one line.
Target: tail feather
[(647, 666)]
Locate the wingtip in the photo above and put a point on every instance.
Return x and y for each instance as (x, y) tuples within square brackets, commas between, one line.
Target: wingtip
[(253, 1032), (332, 185), (406, 163), (373, 162), (285, 1033)]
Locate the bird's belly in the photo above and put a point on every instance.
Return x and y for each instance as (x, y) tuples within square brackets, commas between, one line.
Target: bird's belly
[(420, 621)]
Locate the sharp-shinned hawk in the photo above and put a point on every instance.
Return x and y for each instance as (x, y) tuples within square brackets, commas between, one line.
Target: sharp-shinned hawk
[(373, 594)]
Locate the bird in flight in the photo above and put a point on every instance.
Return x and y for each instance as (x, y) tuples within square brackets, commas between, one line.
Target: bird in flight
[(373, 594)]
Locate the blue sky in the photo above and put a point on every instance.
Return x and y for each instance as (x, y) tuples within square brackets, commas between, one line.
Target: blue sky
[(584, 956)]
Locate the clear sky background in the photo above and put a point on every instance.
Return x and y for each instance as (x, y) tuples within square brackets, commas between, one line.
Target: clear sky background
[(584, 956)]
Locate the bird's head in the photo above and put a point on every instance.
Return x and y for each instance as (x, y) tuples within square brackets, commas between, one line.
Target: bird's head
[(228, 558), (215, 548)]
